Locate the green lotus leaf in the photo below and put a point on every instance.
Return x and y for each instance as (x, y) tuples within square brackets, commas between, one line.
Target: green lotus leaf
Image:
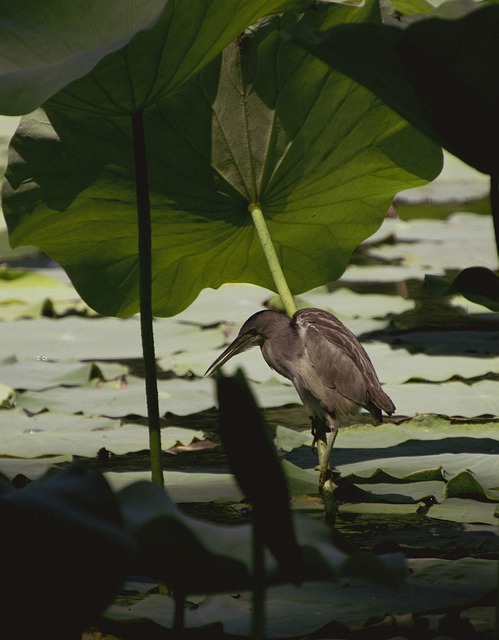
[(467, 485), (264, 122), (66, 41), (439, 74), (45, 45)]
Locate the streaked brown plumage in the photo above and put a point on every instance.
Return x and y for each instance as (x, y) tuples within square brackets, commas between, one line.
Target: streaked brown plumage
[(328, 366)]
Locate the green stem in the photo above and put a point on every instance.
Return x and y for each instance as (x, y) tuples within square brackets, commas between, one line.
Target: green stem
[(272, 259), (145, 293)]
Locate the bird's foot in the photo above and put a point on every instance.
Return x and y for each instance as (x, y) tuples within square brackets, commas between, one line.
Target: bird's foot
[(327, 474), (330, 504), (324, 476)]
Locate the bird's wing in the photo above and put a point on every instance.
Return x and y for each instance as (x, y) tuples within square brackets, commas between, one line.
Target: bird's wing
[(339, 359)]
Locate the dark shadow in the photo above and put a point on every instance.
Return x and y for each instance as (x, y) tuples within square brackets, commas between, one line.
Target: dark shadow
[(304, 457)]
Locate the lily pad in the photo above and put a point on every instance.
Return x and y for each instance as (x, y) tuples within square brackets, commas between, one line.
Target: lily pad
[(433, 585), (52, 433), (7, 396), (467, 485), (32, 468), (396, 366), (465, 511), (40, 373), (29, 294), (456, 398), (121, 398), (433, 246)]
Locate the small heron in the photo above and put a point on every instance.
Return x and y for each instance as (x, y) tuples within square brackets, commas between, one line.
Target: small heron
[(327, 365)]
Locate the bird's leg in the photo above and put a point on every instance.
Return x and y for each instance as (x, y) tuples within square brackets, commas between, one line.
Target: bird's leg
[(325, 470), (325, 433)]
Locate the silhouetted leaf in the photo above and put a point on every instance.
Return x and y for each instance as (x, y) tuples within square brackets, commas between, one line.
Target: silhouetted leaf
[(478, 284), (252, 457), (63, 543), (192, 556), (441, 75)]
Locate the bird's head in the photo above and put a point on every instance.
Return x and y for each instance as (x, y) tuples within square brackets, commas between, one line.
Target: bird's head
[(252, 334)]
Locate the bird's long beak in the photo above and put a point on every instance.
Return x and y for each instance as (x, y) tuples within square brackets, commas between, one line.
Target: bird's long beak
[(241, 343)]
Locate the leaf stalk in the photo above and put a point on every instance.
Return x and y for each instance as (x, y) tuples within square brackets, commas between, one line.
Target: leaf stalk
[(272, 259), (145, 295)]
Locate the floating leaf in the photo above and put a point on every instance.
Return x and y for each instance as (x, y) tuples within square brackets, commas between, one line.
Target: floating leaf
[(40, 373), (425, 475), (50, 433), (7, 397), (121, 398), (464, 510), (411, 7), (297, 612), (346, 491), (467, 485), (458, 398), (180, 549)]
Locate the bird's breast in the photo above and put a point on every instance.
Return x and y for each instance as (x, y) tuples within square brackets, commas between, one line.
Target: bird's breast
[(274, 358)]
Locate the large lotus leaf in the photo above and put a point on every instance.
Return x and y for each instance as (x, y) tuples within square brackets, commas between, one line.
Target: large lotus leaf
[(266, 122), (439, 74), (45, 45)]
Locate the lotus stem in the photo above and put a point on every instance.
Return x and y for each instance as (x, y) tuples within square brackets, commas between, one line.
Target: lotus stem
[(145, 295), (272, 259)]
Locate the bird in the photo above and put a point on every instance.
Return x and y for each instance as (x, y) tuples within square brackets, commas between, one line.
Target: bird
[(328, 366)]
